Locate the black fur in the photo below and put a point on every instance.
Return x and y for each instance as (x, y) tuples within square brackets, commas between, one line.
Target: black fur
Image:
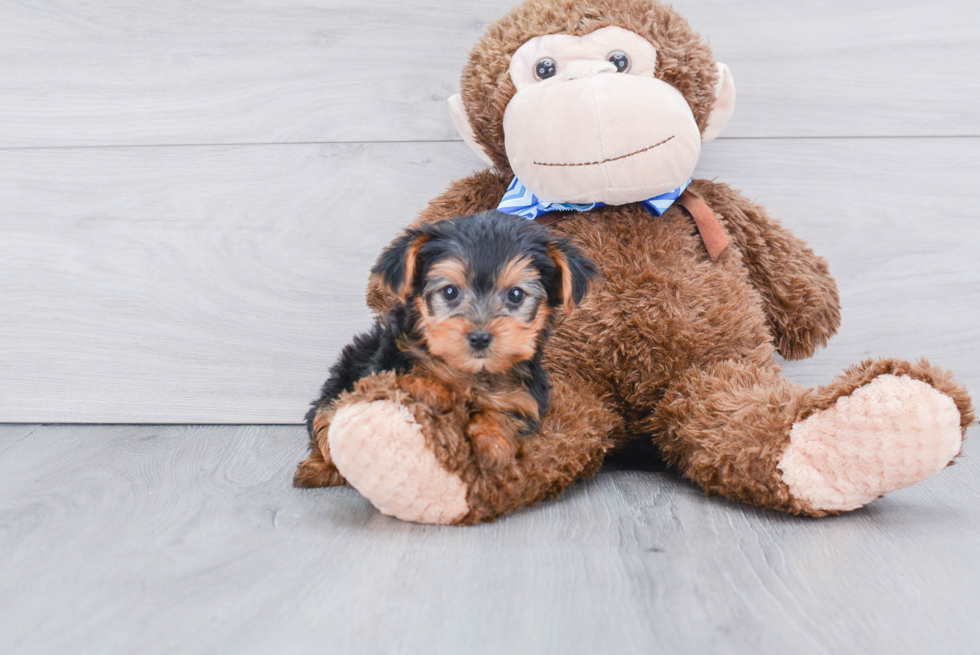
[(536, 381), (371, 352), (485, 241)]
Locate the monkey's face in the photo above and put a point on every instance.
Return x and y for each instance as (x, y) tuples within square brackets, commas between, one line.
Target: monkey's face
[(610, 105), (483, 320), (591, 123)]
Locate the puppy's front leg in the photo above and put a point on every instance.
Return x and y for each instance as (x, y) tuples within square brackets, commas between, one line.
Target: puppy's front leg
[(430, 392), (493, 437)]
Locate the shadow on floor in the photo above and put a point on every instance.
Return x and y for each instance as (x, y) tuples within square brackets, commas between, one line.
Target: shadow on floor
[(637, 456)]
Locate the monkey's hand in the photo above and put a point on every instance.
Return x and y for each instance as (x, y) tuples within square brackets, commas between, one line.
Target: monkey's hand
[(799, 296)]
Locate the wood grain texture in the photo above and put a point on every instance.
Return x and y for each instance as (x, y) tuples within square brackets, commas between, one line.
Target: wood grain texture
[(127, 72), (217, 284), (208, 285), (185, 539), (10, 434)]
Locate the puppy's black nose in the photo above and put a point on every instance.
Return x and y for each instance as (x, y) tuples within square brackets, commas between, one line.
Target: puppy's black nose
[(479, 339)]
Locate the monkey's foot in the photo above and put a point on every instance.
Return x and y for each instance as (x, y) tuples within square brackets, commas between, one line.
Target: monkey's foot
[(382, 451), (889, 432)]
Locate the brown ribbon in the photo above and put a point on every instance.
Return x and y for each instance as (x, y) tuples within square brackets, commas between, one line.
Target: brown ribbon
[(712, 233), (551, 218)]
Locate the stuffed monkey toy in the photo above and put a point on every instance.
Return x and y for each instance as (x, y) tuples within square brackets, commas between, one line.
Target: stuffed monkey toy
[(591, 116)]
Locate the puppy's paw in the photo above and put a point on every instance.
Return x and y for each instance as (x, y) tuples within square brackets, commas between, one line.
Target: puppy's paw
[(314, 471), (433, 394), (492, 445)]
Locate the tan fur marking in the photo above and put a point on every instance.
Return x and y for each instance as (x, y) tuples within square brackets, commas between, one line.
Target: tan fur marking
[(422, 309), (515, 272), (513, 341), (433, 394), (511, 400), (493, 443), (541, 317), (447, 339), (499, 392), (411, 258), (450, 270), (568, 300)]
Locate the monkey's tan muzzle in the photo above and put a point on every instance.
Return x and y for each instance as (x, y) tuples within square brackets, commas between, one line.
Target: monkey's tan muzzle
[(591, 135)]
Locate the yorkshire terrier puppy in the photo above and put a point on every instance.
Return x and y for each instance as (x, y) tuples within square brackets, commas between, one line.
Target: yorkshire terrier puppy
[(476, 301)]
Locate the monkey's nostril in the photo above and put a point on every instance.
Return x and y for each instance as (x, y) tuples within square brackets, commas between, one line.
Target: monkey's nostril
[(479, 339)]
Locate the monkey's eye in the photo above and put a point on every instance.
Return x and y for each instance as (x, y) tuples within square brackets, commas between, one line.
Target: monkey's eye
[(620, 61), (516, 296), (450, 293), (545, 68)]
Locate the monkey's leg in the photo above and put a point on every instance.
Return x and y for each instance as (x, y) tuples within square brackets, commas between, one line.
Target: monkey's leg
[(318, 469), (743, 431), (417, 464)]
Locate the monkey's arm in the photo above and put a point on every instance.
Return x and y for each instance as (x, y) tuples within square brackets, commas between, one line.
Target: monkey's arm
[(470, 195), (799, 295)]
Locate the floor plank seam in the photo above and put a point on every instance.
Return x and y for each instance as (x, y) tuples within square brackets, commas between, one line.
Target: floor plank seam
[(19, 439), (425, 141)]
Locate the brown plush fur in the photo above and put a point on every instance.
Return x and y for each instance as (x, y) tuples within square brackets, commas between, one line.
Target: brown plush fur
[(579, 428), (500, 409), (668, 345)]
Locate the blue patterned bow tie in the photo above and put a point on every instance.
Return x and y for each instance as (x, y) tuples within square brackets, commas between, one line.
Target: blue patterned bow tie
[(519, 200)]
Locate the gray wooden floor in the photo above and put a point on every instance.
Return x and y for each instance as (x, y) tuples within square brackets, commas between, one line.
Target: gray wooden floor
[(191, 195), (157, 539)]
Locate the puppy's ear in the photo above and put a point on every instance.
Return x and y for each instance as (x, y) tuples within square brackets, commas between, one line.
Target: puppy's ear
[(398, 261), (574, 271)]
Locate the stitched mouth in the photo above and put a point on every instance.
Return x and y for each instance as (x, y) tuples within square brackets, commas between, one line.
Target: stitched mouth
[(606, 161)]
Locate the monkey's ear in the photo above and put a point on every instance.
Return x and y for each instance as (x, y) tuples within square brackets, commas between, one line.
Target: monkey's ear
[(462, 122), (724, 107), (575, 272), (397, 263)]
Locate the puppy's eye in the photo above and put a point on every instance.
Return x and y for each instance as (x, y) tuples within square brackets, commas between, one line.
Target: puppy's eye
[(450, 293), (620, 61), (516, 296), (545, 68)]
